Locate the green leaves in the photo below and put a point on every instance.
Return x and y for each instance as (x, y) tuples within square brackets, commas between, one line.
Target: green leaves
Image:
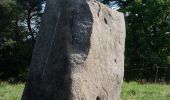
[(148, 37), (147, 26), (15, 47)]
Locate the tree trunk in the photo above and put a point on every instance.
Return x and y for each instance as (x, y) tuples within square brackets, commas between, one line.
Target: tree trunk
[(79, 53)]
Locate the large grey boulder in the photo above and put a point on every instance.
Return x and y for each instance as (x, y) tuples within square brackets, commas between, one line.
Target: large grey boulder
[(79, 53)]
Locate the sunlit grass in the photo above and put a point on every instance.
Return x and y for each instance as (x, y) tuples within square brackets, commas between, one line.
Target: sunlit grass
[(130, 91), (10, 91), (135, 91)]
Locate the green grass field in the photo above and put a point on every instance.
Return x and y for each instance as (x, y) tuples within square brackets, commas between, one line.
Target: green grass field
[(130, 91), (134, 91), (10, 92)]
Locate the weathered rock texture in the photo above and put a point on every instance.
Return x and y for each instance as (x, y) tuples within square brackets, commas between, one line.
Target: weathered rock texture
[(79, 53)]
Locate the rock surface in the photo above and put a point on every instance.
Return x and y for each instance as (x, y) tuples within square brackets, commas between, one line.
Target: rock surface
[(79, 53)]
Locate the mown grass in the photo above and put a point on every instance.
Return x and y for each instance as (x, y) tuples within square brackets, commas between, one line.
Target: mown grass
[(130, 91), (10, 91), (135, 91)]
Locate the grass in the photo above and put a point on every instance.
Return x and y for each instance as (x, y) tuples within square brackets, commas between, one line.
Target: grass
[(134, 91), (10, 91), (130, 91)]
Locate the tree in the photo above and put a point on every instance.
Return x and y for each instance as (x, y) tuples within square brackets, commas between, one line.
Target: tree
[(33, 13), (15, 51), (18, 22), (120, 3), (148, 38)]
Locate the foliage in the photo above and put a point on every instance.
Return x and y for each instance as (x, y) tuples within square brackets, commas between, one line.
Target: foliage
[(15, 42), (33, 13), (148, 38), (147, 42), (121, 3)]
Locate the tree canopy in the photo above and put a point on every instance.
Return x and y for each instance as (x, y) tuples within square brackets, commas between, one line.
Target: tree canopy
[(19, 22), (147, 42), (148, 38)]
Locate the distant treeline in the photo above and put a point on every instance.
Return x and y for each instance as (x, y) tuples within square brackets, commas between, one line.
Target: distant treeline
[(147, 54)]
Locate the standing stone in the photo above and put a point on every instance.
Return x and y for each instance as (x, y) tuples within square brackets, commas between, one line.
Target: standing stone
[(79, 53)]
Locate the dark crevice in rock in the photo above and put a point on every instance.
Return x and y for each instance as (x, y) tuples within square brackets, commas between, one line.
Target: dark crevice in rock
[(115, 60), (105, 20), (98, 14), (98, 98)]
